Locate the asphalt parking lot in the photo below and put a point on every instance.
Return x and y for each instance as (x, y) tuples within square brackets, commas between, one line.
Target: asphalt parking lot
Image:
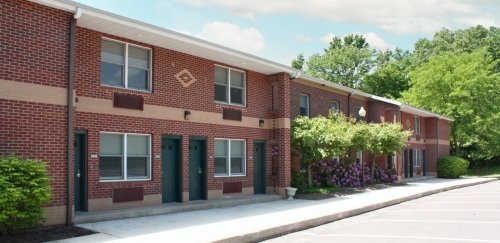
[(470, 214)]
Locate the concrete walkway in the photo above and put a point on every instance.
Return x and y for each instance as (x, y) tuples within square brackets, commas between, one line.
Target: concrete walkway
[(260, 221)]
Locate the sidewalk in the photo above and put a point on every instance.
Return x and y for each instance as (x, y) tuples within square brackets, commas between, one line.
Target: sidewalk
[(254, 222)]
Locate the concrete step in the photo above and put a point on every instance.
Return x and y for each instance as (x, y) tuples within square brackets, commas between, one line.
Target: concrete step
[(167, 208)]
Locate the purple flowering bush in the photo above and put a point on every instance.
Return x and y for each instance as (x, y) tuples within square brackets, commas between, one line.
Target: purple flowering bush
[(331, 172)]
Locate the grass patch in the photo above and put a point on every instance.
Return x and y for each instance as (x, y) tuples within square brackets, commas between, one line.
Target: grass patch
[(320, 190), (489, 171)]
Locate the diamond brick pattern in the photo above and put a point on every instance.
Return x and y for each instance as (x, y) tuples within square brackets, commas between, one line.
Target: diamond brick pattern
[(185, 78)]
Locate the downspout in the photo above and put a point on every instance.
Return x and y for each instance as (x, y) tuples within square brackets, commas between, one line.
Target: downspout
[(70, 146), (437, 141)]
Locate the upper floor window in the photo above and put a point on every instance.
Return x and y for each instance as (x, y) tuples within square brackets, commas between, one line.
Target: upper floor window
[(125, 65), (335, 106), (230, 157), (124, 156), (230, 86), (416, 124), (304, 105)]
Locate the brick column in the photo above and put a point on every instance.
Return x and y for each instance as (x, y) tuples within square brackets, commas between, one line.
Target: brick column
[(281, 109)]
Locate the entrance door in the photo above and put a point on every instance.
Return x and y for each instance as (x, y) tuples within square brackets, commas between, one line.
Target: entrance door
[(423, 163), (80, 173), (196, 169), (410, 161), (171, 183), (259, 168)]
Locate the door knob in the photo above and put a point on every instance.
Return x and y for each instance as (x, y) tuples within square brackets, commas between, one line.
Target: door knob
[(78, 174)]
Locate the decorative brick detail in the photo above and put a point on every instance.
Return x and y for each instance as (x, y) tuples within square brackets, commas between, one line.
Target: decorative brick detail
[(128, 194), (185, 78), (232, 187)]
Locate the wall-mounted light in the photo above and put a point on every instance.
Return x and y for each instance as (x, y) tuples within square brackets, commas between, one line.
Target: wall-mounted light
[(261, 123), (187, 115), (362, 112)]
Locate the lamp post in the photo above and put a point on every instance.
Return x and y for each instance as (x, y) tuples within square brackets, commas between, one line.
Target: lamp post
[(362, 114)]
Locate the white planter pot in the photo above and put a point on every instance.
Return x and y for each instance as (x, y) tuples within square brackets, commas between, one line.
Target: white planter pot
[(290, 191)]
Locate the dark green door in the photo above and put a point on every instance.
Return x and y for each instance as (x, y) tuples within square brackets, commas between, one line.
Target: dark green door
[(80, 180), (196, 170), (171, 183), (259, 168)]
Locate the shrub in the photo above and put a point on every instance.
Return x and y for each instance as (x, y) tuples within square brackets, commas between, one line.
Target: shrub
[(451, 167), (327, 172), (24, 188), (299, 180)]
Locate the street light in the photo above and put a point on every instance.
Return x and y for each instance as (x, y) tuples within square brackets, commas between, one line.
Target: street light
[(362, 114)]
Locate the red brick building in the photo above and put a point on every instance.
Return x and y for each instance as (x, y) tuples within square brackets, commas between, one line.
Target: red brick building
[(156, 116), (430, 139)]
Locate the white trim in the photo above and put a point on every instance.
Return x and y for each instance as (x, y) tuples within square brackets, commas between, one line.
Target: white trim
[(228, 158), (124, 156), (417, 158), (125, 65)]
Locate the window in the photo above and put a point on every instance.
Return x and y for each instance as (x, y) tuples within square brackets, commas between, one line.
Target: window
[(417, 157), (416, 124), (229, 157), (304, 104), (229, 86), (335, 106), (125, 65), (359, 156), (124, 156)]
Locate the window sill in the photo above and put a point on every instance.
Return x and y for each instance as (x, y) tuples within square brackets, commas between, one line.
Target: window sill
[(229, 176), (128, 180), (229, 104), (127, 89)]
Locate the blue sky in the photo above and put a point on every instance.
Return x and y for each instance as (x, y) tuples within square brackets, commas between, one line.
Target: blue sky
[(280, 29)]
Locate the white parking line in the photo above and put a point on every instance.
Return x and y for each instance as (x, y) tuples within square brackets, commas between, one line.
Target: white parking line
[(446, 210), (400, 237), (423, 221)]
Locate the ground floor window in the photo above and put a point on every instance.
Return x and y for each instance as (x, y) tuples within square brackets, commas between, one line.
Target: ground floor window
[(417, 157), (124, 156), (230, 157)]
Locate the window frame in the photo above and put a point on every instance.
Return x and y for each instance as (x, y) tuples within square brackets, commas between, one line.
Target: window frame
[(338, 106), (359, 155), (125, 64), (308, 104), (416, 129), (228, 90), (124, 157), (228, 158), (417, 157)]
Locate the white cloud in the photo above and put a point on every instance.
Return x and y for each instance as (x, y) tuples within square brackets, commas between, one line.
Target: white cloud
[(377, 42), (403, 16), (248, 40), (327, 38), (302, 38)]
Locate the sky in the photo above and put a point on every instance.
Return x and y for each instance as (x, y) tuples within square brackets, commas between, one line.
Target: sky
[(278, 30)]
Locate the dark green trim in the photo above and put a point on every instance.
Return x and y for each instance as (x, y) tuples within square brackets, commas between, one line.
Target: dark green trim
[(84, 206), (171, 136), (203, 138)]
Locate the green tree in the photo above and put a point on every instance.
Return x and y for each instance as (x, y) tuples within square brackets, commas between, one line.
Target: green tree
[(346, 61), (466, 87), (320, 137), (298, 62), (385, 138), (390, 77)]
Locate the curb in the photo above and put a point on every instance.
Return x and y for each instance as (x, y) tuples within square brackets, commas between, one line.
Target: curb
[(310, 223)]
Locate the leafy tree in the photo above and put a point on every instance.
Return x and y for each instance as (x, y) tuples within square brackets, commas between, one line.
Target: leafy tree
[(466, 87), (298, 63), (320, 137), (390, 77), (385, 138), (346, 61)]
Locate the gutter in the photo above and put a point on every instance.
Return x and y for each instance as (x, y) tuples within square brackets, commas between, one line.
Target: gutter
[(70, 135)]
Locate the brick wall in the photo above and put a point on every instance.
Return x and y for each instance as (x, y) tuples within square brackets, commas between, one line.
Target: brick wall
[(34, 49)]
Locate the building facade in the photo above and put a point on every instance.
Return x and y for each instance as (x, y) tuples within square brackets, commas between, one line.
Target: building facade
[(126, 114)]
